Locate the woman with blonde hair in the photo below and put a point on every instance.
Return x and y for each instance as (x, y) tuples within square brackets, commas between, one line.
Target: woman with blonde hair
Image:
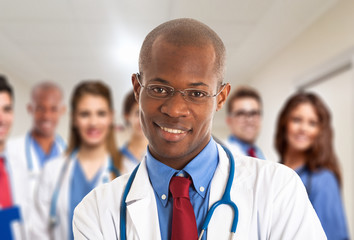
[(91, 159), (304, 142)]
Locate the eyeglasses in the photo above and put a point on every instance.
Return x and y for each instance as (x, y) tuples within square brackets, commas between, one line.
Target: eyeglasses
[(241, 114), (192, 95)]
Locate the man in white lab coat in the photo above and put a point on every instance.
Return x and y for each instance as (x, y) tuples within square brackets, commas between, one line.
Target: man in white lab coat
[(244, 116), (179, 89), (41, 143), (14, 194)]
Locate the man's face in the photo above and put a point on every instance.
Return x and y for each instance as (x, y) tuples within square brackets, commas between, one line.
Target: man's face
[(244, 119), (46, 109), (178, 130), (6, 116)]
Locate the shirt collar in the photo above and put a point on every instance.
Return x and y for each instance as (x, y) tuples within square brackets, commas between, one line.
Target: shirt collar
[(201, 170), (244, 146)]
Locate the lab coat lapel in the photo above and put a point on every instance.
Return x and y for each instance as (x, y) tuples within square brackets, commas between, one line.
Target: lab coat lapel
[(64, 198), (241, 194), (34, 158), (142, 216)]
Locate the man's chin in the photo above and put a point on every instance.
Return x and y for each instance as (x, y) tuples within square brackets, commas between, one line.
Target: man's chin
[(45, 133)]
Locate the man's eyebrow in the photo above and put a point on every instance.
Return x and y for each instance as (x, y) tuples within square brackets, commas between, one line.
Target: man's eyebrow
[(159, 80), (163, 81), (198, 84)]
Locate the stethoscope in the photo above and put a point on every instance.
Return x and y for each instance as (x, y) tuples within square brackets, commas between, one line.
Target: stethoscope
[(53, 218), (28, 142), (225, 199)]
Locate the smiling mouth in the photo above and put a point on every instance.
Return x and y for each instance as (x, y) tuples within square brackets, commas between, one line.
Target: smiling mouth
[(171, 130)]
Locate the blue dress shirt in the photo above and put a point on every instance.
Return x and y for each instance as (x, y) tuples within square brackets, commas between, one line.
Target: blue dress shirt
[(246, 146), (201, 170), (324, 193), (79, 188)]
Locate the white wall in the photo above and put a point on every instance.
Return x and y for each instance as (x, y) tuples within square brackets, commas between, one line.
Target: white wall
[(327, 38)]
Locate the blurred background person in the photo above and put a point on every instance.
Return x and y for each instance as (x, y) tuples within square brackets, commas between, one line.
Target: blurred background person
[(92, 158), (135, 148), (304, 142), (14, 192), (244, 113), (41, 143)]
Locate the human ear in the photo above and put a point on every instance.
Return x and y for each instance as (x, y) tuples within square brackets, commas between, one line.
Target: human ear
[(221, 98), (62, 109), (136, 86), (30, 108)]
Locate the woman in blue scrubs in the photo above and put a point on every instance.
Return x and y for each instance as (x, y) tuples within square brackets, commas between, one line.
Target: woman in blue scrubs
[(135, 148), (304, 142), (91, 159)]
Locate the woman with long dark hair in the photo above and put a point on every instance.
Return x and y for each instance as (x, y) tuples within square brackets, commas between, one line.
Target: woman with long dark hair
[(135, 148), (91, 159), (304, 142)]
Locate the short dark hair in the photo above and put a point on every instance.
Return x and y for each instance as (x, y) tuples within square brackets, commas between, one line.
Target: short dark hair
[(185, 32), (129, 102), (5, 86), (243, 92)]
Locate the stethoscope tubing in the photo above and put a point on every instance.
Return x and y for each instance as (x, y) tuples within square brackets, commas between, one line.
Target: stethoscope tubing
[(226, 199), (28, 141), (123, 206)]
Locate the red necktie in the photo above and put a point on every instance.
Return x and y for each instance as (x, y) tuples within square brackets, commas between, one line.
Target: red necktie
[(252, 152), (184, 225), (5, 191)]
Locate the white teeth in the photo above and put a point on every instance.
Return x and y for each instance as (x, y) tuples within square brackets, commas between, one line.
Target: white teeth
[(170, 130)]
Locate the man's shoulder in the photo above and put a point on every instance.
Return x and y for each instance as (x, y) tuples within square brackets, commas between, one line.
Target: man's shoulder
[(262, 171), (15, 143)]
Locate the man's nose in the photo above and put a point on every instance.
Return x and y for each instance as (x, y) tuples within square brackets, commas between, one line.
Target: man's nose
[(176, 105)]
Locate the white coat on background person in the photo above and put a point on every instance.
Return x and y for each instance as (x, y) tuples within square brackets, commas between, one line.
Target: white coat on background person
[(91, 160), (18, 149), (40, 144), (20, 195), (268, 196), (14, 191), (41, 228)]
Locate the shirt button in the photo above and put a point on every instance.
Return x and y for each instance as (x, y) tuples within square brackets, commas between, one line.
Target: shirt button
[(202, 189), (180, 174), (163, 197)]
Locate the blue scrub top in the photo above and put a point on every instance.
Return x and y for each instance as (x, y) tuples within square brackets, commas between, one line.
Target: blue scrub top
[(324, 193), (42, 156), (79, 188), (125, 151)]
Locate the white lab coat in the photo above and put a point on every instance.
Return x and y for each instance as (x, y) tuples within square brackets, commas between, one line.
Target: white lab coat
[(271, 199), (128, 165), (234, 148), (40, 229), (20, 194), (17, 148)]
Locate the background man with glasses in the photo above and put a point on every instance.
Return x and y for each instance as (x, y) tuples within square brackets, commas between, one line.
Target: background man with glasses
[(244, 113), (179, 89)]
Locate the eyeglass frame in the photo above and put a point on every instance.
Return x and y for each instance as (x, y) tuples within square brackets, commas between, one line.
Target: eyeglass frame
[(183, 91), (243, 115)]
